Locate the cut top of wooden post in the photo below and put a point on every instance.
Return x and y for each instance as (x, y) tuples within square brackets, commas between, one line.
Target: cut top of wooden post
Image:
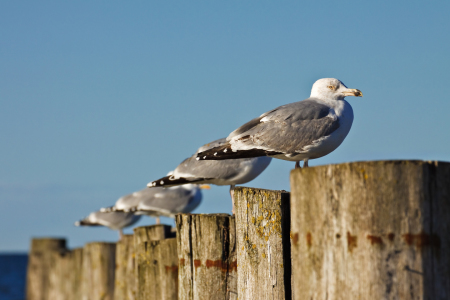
[(152, 233)]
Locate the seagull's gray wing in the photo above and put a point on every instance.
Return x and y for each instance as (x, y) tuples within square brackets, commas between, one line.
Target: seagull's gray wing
[(192, 170), (116, 220), (287, 129), (113, 220), (169, 202), (131, 201)]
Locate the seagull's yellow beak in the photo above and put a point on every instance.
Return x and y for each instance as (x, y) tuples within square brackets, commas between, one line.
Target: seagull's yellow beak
[(205, 187), (352, 92)]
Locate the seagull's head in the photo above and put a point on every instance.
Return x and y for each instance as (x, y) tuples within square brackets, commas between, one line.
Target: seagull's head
[(332, 89)]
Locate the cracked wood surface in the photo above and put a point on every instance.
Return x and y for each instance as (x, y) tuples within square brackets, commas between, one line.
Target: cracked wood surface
[(206, 256), (263, 246), (371, 230)]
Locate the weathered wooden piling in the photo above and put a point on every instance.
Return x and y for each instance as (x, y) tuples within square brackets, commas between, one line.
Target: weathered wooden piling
[(371, 230), (206, 256), (151, 250), (99, 264), (158, 270), (125, 279), (65, 275), (263, 256), (39, 264)]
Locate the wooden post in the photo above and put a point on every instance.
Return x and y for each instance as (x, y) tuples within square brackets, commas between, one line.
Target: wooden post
[(99, 264), (143, 270), (205, 260), (39, 264), (158, 269), (152, 233), (125, 280), (65, 275), (262, 234), (371, 230)]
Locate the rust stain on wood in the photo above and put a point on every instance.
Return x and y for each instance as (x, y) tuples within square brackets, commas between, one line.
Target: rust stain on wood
[(391, 236), (182, 261), (375, 240), (233, 266), (295, 238), (352, 241), (219, 264), (197, 263), (309, 239), (422, 239), (171, 269)]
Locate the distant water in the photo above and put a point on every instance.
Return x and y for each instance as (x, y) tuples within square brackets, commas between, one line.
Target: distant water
[(13, 271)]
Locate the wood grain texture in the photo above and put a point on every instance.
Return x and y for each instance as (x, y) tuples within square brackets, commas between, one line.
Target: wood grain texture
[(371, 230), (99, 264), (39, 264), (158, 269), (65, 275), (206, 256), (125, 279), (262, 234)]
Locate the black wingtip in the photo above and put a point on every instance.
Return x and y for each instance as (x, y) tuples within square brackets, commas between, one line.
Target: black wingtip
[(169, 181), (225, 152)]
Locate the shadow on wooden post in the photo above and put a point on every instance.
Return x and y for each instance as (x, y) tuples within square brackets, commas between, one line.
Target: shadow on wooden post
[(206, 256), (39, 264), (99, 264), (262, 233), (125, 279), (371, 230)]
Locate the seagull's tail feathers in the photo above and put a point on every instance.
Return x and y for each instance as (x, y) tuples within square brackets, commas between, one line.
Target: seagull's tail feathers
[(169, 181), (225, 152)]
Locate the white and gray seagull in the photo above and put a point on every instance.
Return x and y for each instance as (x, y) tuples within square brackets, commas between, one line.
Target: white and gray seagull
[(299, 131), (113, 220), (160, 201), (224, 172)]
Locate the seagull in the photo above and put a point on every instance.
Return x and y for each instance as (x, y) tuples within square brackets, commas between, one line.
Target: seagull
[(299, 131), (160, 201), (171, 201), (113, 220), (225, 172)]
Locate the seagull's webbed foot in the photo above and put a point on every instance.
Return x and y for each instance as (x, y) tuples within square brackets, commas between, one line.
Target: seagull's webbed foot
[(158, 220)]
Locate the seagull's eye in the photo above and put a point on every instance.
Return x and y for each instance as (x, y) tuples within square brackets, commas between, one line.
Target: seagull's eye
[(331, 87)]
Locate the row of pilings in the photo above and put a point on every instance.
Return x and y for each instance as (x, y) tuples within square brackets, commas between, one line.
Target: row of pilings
[(366, 230)]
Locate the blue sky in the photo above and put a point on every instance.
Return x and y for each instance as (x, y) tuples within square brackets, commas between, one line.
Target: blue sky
[(97, 98)]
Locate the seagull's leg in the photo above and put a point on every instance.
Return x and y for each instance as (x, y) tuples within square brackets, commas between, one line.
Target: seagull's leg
[(232, 196), (297, 165), (158, 221), (120, 234), (305, 163)]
